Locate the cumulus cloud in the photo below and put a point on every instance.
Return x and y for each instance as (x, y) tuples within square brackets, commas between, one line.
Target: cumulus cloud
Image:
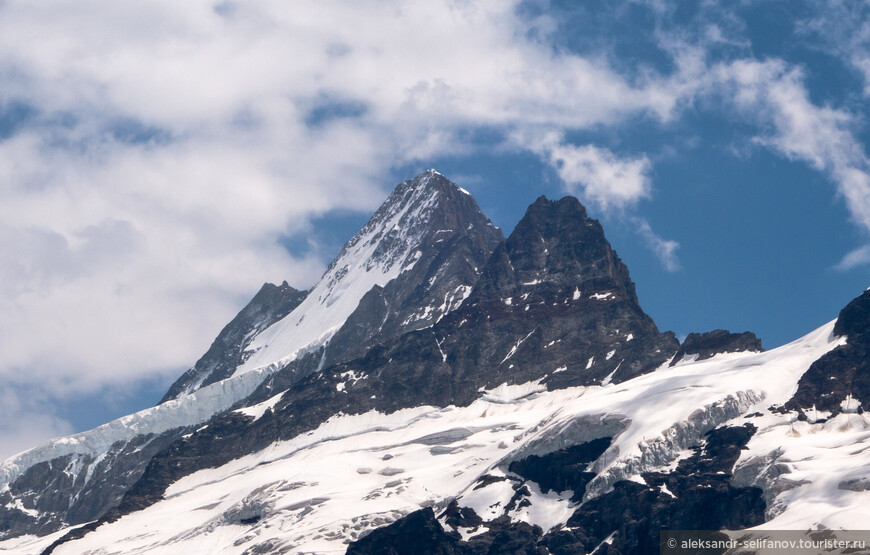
[(607, 180), (594, 173)]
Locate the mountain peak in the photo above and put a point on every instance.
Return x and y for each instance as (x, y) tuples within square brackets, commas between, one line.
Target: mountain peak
[(557, 241), (429, 181), (419, 219), (425, 225)]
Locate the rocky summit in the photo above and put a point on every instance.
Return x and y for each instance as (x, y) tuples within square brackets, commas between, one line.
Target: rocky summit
[(444, 389)]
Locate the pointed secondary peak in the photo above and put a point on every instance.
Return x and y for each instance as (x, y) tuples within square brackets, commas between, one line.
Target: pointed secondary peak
[(561, 224), (565, 207), (557, 247)]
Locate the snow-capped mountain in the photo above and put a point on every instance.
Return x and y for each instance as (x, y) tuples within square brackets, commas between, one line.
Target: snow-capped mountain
[(445, 390), (412, 263)]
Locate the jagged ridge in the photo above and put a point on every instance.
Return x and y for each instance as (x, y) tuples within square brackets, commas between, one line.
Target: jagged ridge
[(227, 352)]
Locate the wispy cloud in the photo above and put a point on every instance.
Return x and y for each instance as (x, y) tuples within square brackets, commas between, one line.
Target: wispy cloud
[(841, 28), (664, 249), (854, 259), (771, 95), (774, 96)]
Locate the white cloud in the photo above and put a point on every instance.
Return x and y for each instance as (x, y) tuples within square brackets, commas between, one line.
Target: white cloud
[(855, 258), (841, 28), (607, 180), (773, 95), (595, 174), (664, 249)]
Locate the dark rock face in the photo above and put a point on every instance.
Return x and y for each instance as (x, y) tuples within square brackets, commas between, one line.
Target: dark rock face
[(558, 244), (564, 469), (270, 304), (505, 537), (562, 298), (844, 373), (420, 532), (465, 517), (417, 533), (854, 320), (696, 496), (711, 343)]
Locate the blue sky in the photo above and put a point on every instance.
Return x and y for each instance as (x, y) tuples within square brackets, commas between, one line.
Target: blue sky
[(159, 161)]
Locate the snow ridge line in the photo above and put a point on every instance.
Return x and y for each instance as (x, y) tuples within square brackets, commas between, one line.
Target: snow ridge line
[(188, 410)]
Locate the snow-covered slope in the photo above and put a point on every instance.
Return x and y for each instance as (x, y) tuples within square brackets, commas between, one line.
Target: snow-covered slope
[(318, 491), (383, 249), (228, 350)]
